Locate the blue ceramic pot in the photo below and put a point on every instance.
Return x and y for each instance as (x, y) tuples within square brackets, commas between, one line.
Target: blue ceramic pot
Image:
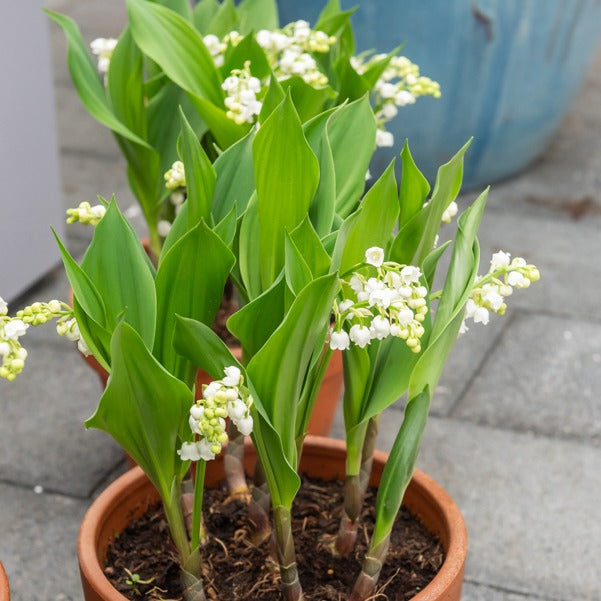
[(508, 70)]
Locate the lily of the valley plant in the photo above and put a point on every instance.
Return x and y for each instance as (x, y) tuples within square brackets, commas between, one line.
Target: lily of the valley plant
[(228, 66), (320, 265)]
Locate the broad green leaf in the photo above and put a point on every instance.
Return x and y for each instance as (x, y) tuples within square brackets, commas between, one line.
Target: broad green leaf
[(87, 81), (200, 175), (322, 211), (414, 188), (235, 178), (373, 73), (307, 241), (179, 228), (352, 136), (203, 13), (286, 176), (399, 466), (256, 321), (182, 7), (273, 98), (206, 350), (298, 273), (255, 15), (126, 85), (446, 189), (225, 131), (118, 265), (144, 408), (84, 289), (97, 338), (247, 50), (378, 212), (226, 228), (224, 20), (248, 259), (173, 43), (351, 86), (461, 274), (198, 343), (278, 369), (431, 262), (190, 282), (308, 101)]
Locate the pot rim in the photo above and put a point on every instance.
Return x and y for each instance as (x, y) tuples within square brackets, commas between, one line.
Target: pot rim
[(454, 536)]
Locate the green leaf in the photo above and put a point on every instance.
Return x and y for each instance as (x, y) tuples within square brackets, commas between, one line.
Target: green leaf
[(190, 282), (173, 43), (414, 188), (206, 350), (247, 50), (255, 15), (352, 136), (307, 241), (308, 101), (256, 321), (248, 259), (118, 265), (202, 347), (224, 20), (351, 86), (225, 131), (200, 175), (278, 369), (203, 13), (431, 262), (126, 85), (226, 228), (298, 273), (86, 80), (322, 211), (285, 169), (446, 189), (144, 408), (378, 212), (235, 178), (273, 98)]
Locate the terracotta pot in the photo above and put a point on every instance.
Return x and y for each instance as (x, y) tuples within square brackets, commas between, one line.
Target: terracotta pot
[(325, 405), (4, 589), (130, 495)]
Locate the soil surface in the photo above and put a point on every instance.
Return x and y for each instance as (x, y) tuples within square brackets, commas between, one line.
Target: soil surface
[(236, 570)]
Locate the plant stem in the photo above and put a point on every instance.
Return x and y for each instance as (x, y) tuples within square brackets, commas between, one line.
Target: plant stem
[(197, 509), (258, 508), (366, 582), (233, 464), (354, 492), (291, 587)]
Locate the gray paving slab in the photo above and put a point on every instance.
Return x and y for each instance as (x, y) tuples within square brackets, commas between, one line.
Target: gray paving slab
[(565, 252), (478, 592), (42, 437), (544, 376), (38, 544), (531, 506)]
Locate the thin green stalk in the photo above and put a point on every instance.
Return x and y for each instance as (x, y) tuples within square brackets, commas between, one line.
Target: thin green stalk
[(197, 509), (291, 586), (355, 486)]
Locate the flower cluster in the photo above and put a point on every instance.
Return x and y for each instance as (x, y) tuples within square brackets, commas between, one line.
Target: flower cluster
[(220, 399), (12, 353), (489, 292), (399, 85), (176, 176), (241, 90), (391, 304), (86, 214), (103, 48)]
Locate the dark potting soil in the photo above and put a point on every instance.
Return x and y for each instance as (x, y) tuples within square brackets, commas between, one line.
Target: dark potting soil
[(236, 570), (228, 307)]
